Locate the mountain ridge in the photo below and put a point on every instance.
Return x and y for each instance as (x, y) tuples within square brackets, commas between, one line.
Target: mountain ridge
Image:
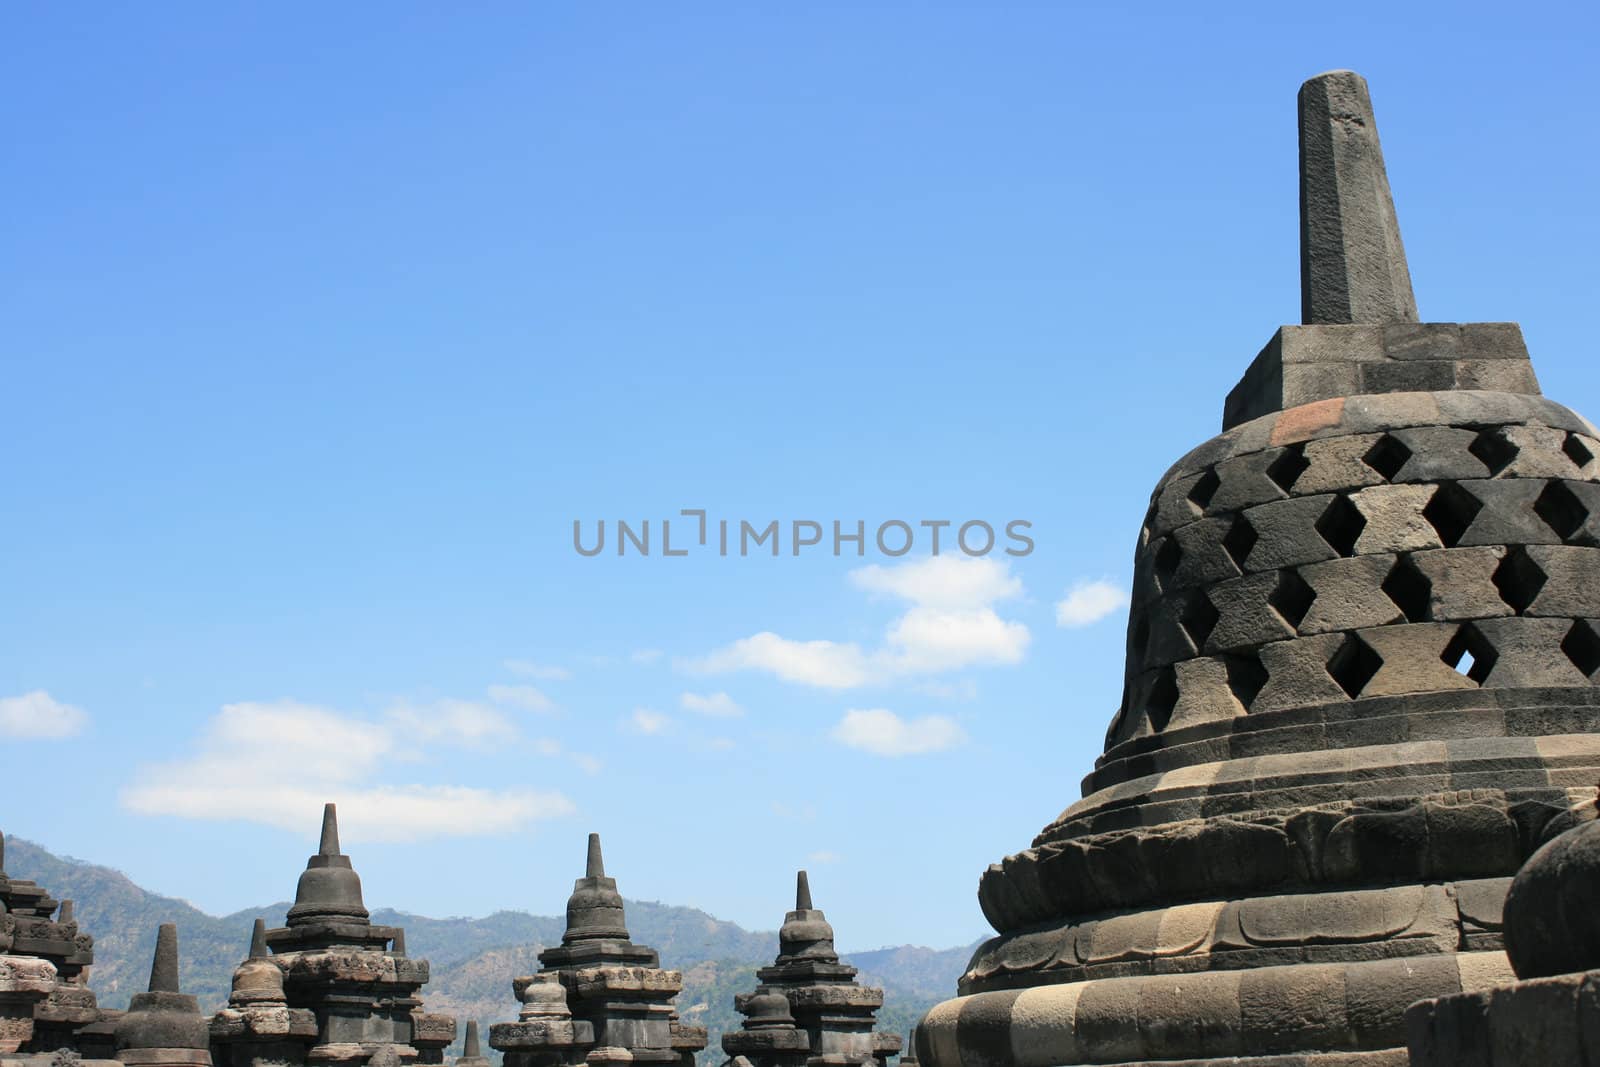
[(472, 960)]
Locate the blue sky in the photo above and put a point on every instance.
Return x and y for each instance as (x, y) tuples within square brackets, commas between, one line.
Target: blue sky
[(324, 324)]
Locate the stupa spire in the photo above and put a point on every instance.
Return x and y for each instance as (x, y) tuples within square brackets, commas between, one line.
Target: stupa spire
[(1352, 263), (595, 866), (802, 892), (330, 831), (258, 940), (164, 967)]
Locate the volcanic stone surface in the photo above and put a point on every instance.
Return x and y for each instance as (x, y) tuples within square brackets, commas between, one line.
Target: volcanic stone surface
[(599, 998), (1359, 691), (809, 1009)]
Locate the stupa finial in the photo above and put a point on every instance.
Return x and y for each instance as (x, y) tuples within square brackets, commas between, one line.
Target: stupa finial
[(470, 1046), (1352, 264), (802, 892), (330, 831), (258, 940), (596, 864), (164, 968)]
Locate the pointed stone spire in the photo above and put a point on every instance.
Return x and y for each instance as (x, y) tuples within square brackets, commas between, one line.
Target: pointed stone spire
[(258, 978), (330, 831), (329, 890), (258, 940), (594, 911), (471, 1051), (1352, 264), (805, 932), (162, 1025), (66, 914), (164, 968)]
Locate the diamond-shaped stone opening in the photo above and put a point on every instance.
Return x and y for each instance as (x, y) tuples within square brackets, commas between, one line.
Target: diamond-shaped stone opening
[(1139, 639), (1577, 451), (1561, 509), (1291, 598), (1341, 524), (1239, 540), (1199, 618), (1353, 665), (1201, 492), (1161, 699), (1519, 579), (1410, 589), (1387, 455), (1246, 677), (1494, 449), (1450, 512), (1287, 468), (1582, 647), (1470, 653), (1168, 556)]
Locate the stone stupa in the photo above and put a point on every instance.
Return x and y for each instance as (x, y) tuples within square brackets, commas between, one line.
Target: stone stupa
[(599, 998), (1360, 691), (809, 1010), (352, 974)]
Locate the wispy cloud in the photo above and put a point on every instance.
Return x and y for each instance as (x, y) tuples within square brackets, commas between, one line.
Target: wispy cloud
[(883, 733), (823, 856), (648, 721), (277, 763), (951, 624), (39, 716), (461, 722), (1089, 602), (645, 656), (525, 697), (539, 671), (716, 705)]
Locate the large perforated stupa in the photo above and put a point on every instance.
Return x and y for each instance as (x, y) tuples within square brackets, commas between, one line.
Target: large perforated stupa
[(1360, 690)]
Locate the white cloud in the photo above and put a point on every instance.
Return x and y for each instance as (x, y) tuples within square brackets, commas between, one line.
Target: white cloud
[(459, 721), (883, 733), (721, 744), (541, 671), (39, 715), (927, 640), (826, 664), (950, 624), (942, 581), (277, 763), (587, 763), (823, 856), (716, 705), (525, 697), (645, 656), (1089, 602), (648, 721)]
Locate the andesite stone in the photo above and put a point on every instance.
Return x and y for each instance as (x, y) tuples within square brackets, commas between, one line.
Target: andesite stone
[(808, 1008), (1354, 703)]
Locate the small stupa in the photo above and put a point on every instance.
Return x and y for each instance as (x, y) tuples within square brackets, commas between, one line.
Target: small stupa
[(351, 973), (163, 1026), (598, 998), (809, 1008)]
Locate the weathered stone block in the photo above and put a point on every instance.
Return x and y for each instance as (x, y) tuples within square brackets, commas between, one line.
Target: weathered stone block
[(1413, 661), (1395, 521), (1286, 534), (1461, 582), (1348, 594)]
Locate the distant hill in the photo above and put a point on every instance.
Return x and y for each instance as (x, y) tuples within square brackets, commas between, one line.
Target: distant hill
[(473, 960)]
